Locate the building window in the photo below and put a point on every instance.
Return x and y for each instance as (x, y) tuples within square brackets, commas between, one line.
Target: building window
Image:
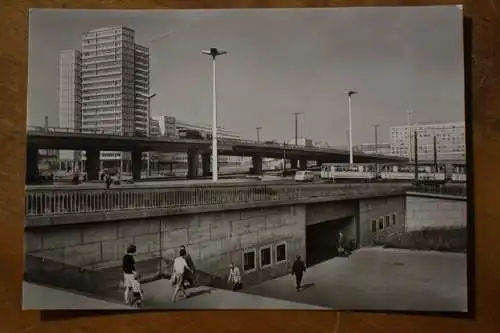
[(374, 226), (281, 252), (265, 256), (393, 219), (387, 221), (249, 260), (381, 223)]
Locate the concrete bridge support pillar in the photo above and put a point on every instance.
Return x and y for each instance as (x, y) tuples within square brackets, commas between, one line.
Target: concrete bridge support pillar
[(31, 165), (256, 165), (93, 156), (205, 164), (293, 164), (136, 165), (193, 163), (303, 164)]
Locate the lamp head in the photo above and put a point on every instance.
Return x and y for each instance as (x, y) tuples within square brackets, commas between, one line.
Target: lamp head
[(214, 52)]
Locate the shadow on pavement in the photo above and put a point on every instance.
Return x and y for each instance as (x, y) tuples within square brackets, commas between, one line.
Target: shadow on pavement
[(198, 292), (307, 286)]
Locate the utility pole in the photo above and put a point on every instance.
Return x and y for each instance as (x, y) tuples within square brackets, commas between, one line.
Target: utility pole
[(296, 114), (435, 154), (376, 145), (284, 155), (350, 94), (415, 141)]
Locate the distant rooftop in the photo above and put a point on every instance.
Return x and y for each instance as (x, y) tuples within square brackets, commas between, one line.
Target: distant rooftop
[(109, 28), (431, 123), (181, 123)]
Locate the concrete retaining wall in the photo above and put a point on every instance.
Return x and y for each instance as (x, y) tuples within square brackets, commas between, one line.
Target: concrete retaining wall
[(329, 211), (373, 216), (214, 240), (433, 212)]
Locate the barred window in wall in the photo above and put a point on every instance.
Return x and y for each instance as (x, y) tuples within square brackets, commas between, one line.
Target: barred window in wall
[(387, 221), (381, 223), (265, 256), (249, 260), (393, 219), (281, 252), (374, 226)]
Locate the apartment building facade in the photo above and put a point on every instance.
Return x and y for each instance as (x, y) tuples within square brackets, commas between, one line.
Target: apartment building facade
[(70, 98), (449, 137), (114, 86)]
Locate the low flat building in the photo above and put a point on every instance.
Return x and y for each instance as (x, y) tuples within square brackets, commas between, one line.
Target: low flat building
[(372, 148)]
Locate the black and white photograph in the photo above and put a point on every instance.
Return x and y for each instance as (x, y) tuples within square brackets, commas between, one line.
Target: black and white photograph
[(307, 159)]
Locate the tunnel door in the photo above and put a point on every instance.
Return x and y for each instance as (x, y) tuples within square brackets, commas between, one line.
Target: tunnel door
[(321, 239)]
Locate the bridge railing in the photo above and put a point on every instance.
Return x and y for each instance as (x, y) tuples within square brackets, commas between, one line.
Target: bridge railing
[(459, 190), (84, 201)]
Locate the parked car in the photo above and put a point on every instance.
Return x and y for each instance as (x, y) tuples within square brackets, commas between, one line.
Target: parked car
[(304, 176)]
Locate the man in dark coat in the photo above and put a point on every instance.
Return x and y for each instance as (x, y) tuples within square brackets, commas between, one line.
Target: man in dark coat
[(298, 269), (189, 275)]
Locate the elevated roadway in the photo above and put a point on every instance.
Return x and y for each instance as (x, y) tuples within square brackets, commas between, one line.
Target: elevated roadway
[(66, 140)]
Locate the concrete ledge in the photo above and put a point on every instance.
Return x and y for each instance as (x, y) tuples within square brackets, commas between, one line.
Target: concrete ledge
[(66, 219), (436, 196)]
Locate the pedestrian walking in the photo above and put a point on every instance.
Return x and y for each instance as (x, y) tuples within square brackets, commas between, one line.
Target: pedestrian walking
[(137, 294), (180, 267), (129, 273), (189, 275), (235, 277), (108, 181), (340, 243), (298, 269)]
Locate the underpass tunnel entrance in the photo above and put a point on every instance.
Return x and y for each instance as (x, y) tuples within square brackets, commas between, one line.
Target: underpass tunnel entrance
[(321, 239)]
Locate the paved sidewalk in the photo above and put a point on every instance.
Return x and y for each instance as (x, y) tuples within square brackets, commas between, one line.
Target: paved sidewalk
[(371, 279), (157, 296), (380, 279), (38, 297), (158, 293)]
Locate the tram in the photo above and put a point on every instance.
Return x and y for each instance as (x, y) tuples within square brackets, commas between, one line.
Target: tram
[(360, 172), (337, 173)]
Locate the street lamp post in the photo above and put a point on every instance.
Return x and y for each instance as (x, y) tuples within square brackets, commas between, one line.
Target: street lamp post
[(258, 133), (349, 95), (214, 52), (148, 156)]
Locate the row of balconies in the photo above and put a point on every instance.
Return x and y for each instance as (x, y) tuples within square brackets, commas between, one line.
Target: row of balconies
[(93, 68), (103, 61), (105, 77), (90, 92), (90, 99)]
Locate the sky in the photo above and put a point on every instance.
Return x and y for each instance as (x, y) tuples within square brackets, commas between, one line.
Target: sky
[(279, 61)]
